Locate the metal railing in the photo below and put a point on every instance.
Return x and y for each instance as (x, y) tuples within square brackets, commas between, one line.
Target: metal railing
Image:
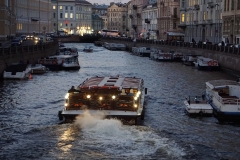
[(205, 46)]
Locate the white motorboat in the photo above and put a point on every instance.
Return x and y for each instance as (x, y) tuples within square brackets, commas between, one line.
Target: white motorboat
[(17, 71), (60, 62), (88, 49), (68, 51), (224, 97), (153, 54), (121, 97), (38, 68), (206, 63), (189, 60), (198, 106)]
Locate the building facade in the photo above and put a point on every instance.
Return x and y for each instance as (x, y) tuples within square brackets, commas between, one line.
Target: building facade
[(33, 16), (149, 22), (7, 19), (97, 23), (231, 21), (168, 21), (135, 17), (72, 16), (117, 17), (201, 20)]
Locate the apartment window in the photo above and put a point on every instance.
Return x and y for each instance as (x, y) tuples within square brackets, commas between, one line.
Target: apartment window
[(54, 7), (211, 31), (183, 3), (183, 17), (61, 15), (225, 5), (60, 24), (66, 24), (232, 5), (238, 4), (54, 15), (66, 15), (54, 24), (71, 8), (71, 15), (60, 7), (66, 7), (204, 16), (174, 25)]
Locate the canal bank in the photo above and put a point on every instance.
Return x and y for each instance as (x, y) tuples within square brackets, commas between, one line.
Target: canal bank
[(30, 53), (228, 58)]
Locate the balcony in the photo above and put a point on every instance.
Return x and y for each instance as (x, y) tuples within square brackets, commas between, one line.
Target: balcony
[(196, 6), (147, 21), (210, 21), (134, 26), (135, 7), (195, 22), (35, 19), (139, 15)]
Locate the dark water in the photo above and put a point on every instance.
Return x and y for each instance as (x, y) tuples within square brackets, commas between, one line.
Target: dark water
[(30, 129)]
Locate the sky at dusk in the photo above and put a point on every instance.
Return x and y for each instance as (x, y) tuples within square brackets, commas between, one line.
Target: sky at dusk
[(107, 1)]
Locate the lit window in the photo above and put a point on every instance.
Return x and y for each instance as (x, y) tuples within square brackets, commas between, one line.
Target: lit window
[(71, 15), (60, 24), (66, 15), (183, 18), (54, 7), (60, 7), (204, 16)]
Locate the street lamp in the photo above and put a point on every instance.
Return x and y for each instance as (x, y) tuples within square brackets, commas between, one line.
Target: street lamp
[(217, 22)]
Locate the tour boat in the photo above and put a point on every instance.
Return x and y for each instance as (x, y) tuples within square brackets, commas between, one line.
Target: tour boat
[(198, 106), (88, 49), (177, 57), (224, 97), (189, 60), (17, 71), (120, 97), (68, 51), (164, 56), (38, 68), (60, 62), (206, 63)]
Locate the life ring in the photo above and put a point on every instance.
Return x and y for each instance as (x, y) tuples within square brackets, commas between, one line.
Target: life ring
[(54, 62), (41, 61), (215, 63), (210, 63)]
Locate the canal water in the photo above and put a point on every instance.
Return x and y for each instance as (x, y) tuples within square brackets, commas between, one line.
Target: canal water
[(30, 129)]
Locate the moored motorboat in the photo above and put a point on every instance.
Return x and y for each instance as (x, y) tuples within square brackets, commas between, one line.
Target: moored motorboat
[(17, 71), (68, 51), (224, 97), (38, 68), (60, 62), (121, 97), (204, 63), (88, 49), (197, 106), (189, 60)]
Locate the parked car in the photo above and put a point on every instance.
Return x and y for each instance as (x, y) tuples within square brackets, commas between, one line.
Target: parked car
[(16, 42), (24, 37)]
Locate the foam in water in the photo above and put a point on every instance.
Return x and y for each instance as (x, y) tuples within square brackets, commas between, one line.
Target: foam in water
[(111, 137)]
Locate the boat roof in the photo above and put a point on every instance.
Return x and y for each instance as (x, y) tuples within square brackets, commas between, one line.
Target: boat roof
[(221, 83), (16, 68), (118, 82), (62, 56)]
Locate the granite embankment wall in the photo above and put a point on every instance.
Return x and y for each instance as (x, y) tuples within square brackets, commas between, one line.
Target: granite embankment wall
[(31, 53), (228, 58)]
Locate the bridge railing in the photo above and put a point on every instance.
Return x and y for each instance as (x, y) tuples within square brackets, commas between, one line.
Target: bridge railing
[(206, 46)]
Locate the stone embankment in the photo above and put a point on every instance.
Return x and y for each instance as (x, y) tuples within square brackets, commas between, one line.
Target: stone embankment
[(228, 57), (30, 53)]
